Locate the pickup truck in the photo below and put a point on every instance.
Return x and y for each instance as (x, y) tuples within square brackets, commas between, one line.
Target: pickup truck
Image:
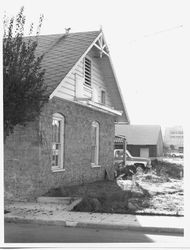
[(139, 164)]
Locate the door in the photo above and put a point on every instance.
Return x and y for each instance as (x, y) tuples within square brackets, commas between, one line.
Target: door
[(144, 152)]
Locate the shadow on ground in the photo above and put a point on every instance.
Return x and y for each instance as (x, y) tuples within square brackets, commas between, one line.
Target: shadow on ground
[(32, 233)]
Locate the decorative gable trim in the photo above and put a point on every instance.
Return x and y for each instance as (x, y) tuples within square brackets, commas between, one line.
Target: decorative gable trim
[(102, 46), (100, 43), (74, 67)]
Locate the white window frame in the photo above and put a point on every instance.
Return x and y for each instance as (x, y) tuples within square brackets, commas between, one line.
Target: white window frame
[(60, 118), (96, 157)]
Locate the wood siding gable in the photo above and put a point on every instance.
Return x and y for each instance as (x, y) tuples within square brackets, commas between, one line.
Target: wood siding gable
[(73, 86), (102, 80)]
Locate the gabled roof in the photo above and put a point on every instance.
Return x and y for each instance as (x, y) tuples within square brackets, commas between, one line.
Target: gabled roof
[(61, 52), (139, 134)]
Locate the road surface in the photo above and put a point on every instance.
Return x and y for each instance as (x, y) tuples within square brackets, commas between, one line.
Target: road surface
[(34, 233)]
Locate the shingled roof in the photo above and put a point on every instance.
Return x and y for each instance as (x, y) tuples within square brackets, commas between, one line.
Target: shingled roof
[(139, 134), (61, 52)]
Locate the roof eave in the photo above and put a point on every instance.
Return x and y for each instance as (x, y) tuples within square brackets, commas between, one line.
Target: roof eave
[(118, 87), (114, 74), (81, 57)]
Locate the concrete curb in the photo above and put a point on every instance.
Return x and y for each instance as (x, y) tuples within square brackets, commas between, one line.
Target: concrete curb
[(66, 223)]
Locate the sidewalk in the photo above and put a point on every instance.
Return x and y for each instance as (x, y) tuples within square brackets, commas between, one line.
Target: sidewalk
[(59, 214)]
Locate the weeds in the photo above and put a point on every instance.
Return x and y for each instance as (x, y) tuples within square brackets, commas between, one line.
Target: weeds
[(167, 169)]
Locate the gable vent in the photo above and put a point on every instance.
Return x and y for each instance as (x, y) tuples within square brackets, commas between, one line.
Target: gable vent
[(87, 71)]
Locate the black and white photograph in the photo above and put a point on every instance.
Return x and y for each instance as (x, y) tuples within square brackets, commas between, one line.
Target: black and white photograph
[(95, 123)]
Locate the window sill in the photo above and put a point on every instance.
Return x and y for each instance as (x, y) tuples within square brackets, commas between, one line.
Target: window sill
[(54, 170), (93, 165)]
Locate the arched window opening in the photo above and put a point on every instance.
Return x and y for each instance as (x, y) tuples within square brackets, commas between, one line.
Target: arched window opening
[(57, 141), (95, 130)]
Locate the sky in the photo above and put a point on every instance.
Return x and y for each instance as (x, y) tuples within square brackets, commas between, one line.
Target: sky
[(148, 42)]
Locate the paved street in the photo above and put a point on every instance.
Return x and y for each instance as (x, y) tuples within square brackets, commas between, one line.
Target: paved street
[(33, 233)]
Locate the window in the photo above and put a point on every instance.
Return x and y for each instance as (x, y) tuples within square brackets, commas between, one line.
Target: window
[(103, 97), (176, 132), (87, 71), (57, 141), (95, 143)]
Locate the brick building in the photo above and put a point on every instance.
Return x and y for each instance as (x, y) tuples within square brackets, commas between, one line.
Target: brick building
[(72, 141)]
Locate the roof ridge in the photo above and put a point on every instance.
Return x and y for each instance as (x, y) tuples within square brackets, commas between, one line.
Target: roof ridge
[(61, 34)]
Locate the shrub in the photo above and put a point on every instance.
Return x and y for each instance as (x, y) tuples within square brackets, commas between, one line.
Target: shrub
[(88, 204), (167, 169), (105, 202)]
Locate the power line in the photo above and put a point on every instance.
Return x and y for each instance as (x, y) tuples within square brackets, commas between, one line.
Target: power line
[(158, 33), (163, 31)]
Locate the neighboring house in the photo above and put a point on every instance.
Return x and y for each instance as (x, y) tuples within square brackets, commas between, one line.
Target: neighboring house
[(173, 138), (142, 140), (73, 140)]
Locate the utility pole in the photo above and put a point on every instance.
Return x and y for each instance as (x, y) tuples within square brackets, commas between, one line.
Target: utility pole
[(124, 150)]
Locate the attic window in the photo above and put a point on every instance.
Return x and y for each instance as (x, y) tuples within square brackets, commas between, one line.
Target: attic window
[(103, 97), (87, 71)]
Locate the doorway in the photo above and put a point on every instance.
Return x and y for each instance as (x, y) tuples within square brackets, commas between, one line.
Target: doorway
[(144, 152)]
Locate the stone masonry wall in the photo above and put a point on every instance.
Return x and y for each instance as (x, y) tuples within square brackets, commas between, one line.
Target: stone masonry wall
[(77, 144), (21, 162), (27, 152)]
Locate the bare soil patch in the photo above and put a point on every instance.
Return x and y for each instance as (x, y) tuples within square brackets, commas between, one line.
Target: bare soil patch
[(143, 197)]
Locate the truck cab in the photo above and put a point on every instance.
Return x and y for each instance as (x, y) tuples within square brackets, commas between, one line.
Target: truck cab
[(140, 164)]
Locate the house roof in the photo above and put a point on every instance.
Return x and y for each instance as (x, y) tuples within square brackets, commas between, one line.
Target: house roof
[(61, 52), (139, 134)]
